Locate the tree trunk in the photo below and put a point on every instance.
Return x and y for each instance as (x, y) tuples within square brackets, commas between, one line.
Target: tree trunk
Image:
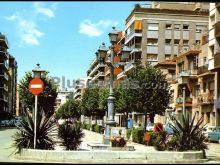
[(145, 122), (151, 118)]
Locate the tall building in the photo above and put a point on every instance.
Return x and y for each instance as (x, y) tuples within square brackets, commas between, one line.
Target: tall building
[(62, 97), (4, 66), (157, 34), (8, 78), (81, 85), (214, 53), (12, 84)]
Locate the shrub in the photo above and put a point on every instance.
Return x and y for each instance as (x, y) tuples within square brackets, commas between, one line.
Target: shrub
[(88, 126), (83, 126), (189, 134), (24, 138), (71, 135), (161, 141), (97, 128), (118, 141), (138, 135)]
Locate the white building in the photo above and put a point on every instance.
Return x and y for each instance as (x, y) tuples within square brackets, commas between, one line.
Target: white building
[(62, 97)]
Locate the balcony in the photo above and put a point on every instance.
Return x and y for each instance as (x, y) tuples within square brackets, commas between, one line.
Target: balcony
[(132, 35), (4, 86), (129, 66), (152, 49), (4, 75), (188, 102), (97, 76), (3, 52), (152, 34), (193, 72), (214, 62), (121, 75), (5, 64), (77, 95), (135, 48), (95, 69), (205, 98), (217, 29)]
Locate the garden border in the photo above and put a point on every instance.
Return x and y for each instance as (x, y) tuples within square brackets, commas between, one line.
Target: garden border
[(68, 156)]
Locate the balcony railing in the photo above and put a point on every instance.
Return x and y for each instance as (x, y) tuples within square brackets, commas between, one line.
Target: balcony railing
[(5, 64), (202, 69), (131, 35), (95, 69), (179, 100), (129, 66), (206, 98), (120, 75), (4, 86)]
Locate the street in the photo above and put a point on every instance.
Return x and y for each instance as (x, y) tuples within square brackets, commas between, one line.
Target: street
[(213, 154)]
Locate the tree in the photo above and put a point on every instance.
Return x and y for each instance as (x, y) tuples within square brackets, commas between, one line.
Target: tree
[(103, 96), (125, 101), (150, 90), (46, 100), (70, 109)]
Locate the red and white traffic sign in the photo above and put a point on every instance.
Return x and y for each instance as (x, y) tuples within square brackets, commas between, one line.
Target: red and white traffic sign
[(36, 86)]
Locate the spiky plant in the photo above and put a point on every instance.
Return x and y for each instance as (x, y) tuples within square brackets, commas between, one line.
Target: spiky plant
[(24, 137), (189, 133), (71, 135)]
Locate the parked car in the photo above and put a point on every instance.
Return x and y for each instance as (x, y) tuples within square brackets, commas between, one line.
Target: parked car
[(214, 136), (18, 120), (208, 129), (168, 129), (5, 123)]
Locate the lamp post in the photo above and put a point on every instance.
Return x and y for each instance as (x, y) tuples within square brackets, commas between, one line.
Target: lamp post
[(36, 74), (102, 52), (184, 76)]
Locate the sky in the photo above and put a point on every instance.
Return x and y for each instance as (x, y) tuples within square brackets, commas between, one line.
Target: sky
[(62, 36)]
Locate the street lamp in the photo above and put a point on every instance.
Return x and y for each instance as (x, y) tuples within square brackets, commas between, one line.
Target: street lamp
[(183, 80), (36, 74)]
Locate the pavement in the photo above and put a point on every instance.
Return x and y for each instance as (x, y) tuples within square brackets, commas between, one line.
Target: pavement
[(6, 151)]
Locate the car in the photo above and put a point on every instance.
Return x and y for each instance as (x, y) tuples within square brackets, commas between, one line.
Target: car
[(150, 127), (17, 120), (214, 136), (5, 123), (208, 129), (168, 129)]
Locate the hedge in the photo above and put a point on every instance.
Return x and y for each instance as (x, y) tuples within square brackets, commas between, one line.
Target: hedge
[(97, 128), (138, 135), (88, 126)]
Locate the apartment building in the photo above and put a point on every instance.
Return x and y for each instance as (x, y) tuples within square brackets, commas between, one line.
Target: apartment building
[(157, 34), (214, 54), (62, 97), (12, 84), (80, 86)]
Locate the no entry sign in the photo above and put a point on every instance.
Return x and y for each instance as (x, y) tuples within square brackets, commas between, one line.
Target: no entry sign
[(36, 86)]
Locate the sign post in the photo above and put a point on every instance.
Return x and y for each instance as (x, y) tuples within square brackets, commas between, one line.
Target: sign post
[(36, 86)]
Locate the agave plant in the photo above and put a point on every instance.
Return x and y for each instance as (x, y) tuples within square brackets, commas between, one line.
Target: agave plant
[(189, 133), (24, 137), (71, 135)]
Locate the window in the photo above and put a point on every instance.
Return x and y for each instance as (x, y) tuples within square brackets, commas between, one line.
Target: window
[(152, 57), (212, 50), (153, 26), (176, 42), (185, 42), (168, 26), (175, 55), (167, 56), (168, 41), (185, 27), (177, 26), (198, 42), (152, 41)]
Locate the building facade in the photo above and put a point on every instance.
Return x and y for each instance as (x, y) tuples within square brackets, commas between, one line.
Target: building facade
[(214, 54), (8, 79), (62, 97)]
